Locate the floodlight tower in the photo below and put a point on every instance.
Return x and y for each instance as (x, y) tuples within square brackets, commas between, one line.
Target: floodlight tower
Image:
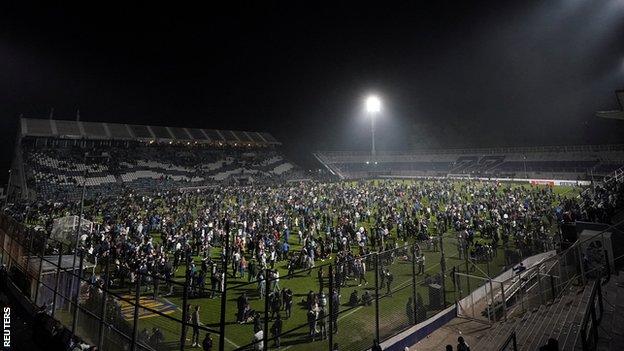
[(373, 106)]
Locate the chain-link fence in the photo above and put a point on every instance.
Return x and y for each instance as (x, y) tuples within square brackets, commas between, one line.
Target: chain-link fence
[(101, 308), (349, 300)]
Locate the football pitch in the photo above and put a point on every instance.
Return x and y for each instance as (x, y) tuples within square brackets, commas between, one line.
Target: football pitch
[(356, 324)]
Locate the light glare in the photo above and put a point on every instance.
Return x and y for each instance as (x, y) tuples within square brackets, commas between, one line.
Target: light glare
[(373, 104)]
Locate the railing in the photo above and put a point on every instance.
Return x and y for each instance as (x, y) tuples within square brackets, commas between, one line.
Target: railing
[(88, 299), (592, 318), (510, 344)]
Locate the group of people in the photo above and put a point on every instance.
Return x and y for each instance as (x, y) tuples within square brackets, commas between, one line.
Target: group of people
[(156, 238)]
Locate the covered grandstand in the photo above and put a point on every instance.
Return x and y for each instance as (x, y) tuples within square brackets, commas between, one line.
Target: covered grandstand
[(55, 158), (573, 163)]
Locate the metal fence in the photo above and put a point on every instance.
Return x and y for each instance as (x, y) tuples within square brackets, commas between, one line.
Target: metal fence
[(521, 290), (91, 303), (592, 318), (351, 301)]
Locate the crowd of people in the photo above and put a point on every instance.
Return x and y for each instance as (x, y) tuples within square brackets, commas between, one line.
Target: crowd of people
[(157, 237)]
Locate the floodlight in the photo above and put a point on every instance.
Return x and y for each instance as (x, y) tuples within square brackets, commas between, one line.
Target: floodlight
[(373, 104)]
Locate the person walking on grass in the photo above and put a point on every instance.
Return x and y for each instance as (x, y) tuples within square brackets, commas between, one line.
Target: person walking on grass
[(421, 264), (389, 279), (288, 302), (311, 324), (320, 279), (207, 343), (195, 322), (276, 329), (322, 323)]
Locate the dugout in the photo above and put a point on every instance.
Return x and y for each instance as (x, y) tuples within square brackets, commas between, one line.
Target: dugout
[(48, 279)]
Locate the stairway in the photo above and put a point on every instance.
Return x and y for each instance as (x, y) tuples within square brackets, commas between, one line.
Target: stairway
[(611, 330), (560, 319)]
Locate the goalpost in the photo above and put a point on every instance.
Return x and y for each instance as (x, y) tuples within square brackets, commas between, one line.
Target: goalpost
[(64, 228)]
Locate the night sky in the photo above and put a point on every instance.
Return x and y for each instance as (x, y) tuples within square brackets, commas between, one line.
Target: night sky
[(451, 74)]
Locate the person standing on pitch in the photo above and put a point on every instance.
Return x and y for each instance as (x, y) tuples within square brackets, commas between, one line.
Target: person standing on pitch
[(195, 322), (276, 329), (421, 264)]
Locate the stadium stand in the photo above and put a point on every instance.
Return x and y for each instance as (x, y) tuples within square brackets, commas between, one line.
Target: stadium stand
[(554, 162), (56, 157)]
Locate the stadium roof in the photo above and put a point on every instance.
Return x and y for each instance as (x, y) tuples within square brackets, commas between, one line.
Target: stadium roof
[(614, 114), (115, 131)]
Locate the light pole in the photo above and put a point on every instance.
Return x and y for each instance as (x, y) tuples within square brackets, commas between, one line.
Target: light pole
[(526, 174), (373, 106)]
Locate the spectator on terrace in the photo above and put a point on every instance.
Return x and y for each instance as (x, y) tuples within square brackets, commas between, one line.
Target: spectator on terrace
[(462, 345)]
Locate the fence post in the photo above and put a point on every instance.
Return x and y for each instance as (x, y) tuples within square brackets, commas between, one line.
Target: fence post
[(104, 302), (267, 290), (442, 268), (539, 284), (135, 326), (377, 296), (224, 283), (607, 272), (331, 307), (552, 287), (579, 256), (467, 266), (522, 291), (504, 301), (414, 307), (493, 307), (45, 242), (185, 305), (58, 277), (77, 293), (28, 253)]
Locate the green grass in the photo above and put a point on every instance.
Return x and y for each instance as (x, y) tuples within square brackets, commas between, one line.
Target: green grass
[(356, 327)]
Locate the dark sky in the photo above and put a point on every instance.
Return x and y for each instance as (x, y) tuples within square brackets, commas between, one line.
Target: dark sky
[(450, 74)]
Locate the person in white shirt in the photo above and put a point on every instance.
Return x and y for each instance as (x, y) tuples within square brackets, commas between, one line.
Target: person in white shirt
[(258, 340)]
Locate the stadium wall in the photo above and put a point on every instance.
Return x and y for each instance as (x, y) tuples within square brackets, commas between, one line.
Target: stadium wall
[(419, 331)]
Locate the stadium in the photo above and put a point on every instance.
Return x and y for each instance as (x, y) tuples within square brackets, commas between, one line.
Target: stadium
[(225, 233)]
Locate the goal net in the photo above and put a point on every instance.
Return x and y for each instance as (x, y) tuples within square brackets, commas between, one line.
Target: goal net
[(64, 228)]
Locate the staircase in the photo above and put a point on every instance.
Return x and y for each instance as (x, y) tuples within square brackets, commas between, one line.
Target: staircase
[(560, 319), (611, 331)]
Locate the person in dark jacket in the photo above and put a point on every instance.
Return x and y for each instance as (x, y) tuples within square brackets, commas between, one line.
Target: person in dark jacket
[(207, 342), (276, 329), (195, 322)]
